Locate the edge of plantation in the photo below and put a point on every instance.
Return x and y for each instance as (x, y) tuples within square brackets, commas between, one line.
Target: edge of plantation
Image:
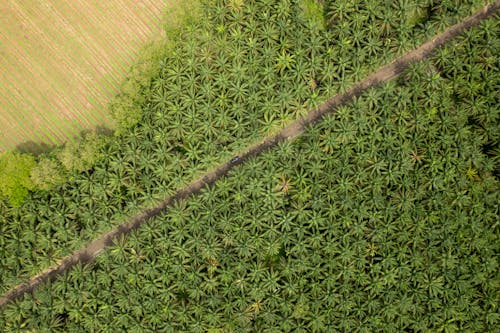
[(288, 132)]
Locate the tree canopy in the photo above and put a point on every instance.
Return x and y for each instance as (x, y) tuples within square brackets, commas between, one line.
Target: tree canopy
[(15, 181)]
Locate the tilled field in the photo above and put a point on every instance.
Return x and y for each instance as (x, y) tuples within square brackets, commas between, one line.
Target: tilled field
[(61, 61)]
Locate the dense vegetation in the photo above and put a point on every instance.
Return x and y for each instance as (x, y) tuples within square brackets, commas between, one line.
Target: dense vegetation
[(383, 217), (229, 77)]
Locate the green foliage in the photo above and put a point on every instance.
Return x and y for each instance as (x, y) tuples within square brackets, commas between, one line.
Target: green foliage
[(82, 154), (214, 88), (47, 174), (382, 217), (15, 182), (127, 107), (21, 173), (418, 15), (313, 10), (184, 13)]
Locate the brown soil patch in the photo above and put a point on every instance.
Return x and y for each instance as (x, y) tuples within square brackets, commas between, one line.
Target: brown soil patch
[(289, 132)]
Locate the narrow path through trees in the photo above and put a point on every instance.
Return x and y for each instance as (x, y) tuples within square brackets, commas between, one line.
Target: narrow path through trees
[(384, 74)]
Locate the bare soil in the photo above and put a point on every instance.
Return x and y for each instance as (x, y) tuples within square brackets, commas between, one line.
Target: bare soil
[(384, 74)]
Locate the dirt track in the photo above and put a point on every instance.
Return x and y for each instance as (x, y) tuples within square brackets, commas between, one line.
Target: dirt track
[(289, 132)]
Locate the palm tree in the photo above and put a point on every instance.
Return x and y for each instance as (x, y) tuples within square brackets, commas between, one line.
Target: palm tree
[(339, 11)]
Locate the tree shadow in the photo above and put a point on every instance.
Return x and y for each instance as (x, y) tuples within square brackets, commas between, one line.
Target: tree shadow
[(38, 148), (34, 148), (103, 130)]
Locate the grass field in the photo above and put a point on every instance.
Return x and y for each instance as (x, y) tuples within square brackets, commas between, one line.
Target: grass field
[(61, 61)]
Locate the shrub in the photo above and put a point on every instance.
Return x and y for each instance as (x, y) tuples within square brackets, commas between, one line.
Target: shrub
[(81, 155), (15, 181), (47, 174)]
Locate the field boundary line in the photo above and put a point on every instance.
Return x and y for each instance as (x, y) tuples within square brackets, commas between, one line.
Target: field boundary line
[(288, 132)]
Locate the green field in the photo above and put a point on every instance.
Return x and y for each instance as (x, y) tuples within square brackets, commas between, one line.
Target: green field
[(382, 217), (62, 61)]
